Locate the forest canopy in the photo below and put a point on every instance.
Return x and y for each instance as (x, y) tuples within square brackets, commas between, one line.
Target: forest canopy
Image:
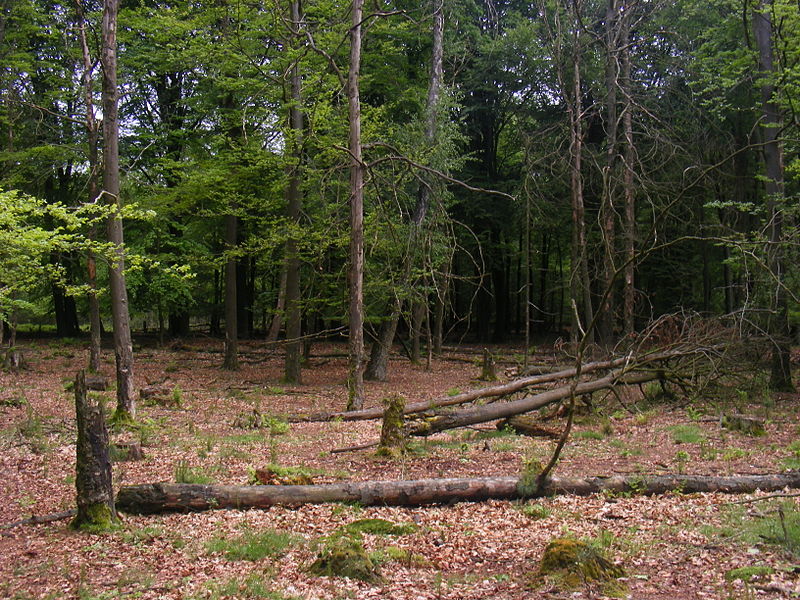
[(543, 168)]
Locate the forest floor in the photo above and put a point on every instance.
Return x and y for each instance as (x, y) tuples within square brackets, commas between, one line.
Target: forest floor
[(671, 546)]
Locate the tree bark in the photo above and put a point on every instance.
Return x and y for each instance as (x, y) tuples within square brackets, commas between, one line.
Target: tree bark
[(628, 290), (123, 347), (781, 378), (176, 497), (355, 379), (95, 494), (292, 371)]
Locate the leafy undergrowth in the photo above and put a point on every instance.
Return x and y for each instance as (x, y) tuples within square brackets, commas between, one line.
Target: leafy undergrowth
[(231, 428)]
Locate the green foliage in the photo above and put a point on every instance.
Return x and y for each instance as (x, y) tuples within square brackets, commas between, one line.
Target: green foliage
[(252, 545), (535, 511)]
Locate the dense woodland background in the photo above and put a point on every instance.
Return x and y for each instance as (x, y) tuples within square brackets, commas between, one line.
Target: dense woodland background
[(543, 168)]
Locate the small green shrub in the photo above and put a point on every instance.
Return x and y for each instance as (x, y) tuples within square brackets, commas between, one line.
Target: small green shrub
[(687, 434), (536, 511), (252, 545), (747, 574), (184, 473)]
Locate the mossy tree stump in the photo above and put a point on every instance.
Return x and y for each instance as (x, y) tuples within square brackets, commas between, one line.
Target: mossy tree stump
[(578, 563), (393, 437), (95, 495)]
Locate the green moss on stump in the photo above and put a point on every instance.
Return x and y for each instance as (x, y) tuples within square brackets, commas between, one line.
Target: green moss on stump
[(577, 562), (94, 518), (345, 556), (379, 527)]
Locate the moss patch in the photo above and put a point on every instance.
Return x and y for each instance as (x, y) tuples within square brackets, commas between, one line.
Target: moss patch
[(379, 527)]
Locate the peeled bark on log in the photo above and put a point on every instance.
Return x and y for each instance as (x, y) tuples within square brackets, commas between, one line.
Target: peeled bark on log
[(184, 497), (482, 414)]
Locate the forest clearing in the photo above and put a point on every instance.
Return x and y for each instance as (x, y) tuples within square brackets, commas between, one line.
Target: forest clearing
[(671, 545)]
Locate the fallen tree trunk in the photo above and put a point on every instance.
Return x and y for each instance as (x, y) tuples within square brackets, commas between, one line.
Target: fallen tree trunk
[(494, 391), (490, 412), (185, 497)]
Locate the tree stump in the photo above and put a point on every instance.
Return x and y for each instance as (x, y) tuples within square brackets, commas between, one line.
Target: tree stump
[(489, 369), (393, 437), (744, 424), (160, 395), (126, 451), (95, 495)]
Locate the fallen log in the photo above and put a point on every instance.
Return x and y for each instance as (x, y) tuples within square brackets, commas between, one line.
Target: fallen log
[(494, 391), (184, 497), (490, 412)]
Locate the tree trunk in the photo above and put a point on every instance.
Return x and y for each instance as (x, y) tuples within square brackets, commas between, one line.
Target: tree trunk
[(231, 360), (123, 347), (628, 289), (605, 322), (176, 497), (355, 379), (503, 410), (291, 370), (781, 379), (580, 293), (378, 365), (95, 494)]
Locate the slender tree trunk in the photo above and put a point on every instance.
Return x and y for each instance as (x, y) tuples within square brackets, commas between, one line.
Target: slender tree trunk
[(628, 290), (378, 366), (231, 360), (781, 378), (355, 380), (123, 347), (291, 371), (92, 134)]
